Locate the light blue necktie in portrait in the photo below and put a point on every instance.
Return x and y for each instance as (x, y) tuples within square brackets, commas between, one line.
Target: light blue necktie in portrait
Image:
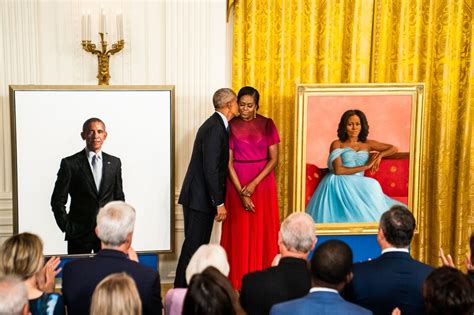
[(97, 170)]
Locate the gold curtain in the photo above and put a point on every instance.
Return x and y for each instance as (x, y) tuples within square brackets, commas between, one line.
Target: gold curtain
[(279, 43)]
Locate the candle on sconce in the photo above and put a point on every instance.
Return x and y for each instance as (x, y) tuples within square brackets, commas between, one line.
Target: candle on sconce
[(83, 24), (88, 28), (119, 21), (105, 23), (101, 21)]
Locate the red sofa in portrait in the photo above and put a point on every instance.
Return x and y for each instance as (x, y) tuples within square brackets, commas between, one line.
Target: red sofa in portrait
[(393, 175)]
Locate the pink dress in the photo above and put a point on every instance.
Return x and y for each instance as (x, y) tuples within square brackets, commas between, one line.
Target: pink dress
[(250, 238)]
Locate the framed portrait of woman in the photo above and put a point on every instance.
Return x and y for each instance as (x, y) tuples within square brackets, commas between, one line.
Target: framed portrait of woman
[(357, 153)]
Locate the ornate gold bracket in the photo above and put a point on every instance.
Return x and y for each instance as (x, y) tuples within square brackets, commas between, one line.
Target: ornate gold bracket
[(103, 56)]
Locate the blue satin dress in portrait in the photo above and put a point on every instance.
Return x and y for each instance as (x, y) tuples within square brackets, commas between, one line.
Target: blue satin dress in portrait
[(348, 198)]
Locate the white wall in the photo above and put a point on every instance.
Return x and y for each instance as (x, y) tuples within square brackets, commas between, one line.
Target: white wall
[(185, 43)]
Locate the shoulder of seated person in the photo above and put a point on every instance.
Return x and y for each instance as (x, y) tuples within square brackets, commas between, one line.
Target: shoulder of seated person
[(336, 144)]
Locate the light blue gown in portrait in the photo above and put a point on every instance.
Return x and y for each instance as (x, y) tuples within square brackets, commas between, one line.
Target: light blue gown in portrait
[(348, 198)]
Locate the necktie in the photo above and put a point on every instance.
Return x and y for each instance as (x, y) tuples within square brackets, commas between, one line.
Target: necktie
[(96, 170)]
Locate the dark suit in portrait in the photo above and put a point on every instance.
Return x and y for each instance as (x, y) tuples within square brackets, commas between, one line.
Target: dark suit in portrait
[(324, 303), (75, 178), (203, 189), (81, 276), (289, 280), (392, 280)]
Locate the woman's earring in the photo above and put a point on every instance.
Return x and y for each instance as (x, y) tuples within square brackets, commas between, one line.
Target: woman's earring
[(255, 114)]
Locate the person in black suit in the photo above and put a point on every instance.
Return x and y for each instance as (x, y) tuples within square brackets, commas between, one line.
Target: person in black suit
[(115, 224), (92, 178), (203, 191), (394, 279), (290, 277)]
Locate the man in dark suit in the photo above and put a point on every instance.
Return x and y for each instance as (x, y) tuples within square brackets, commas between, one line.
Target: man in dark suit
[(331, 266), (290, 277), (92, 178), (115, 224), (203, 191), (394, 279)]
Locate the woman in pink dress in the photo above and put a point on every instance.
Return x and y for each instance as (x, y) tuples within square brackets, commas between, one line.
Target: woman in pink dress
[(250, 232)]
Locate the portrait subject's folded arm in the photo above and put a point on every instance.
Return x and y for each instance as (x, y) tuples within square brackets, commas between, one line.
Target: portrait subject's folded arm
[(118, 187), (212, 149), (60, 195)]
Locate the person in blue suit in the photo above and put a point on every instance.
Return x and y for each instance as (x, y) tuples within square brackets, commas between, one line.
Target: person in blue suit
[(345, 194), (394, 279), (330, 271)]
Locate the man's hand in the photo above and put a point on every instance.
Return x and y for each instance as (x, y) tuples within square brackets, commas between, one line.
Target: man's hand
[(221, 214)]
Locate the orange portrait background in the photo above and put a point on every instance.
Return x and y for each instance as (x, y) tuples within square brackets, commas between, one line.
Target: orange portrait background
[(388, 116)]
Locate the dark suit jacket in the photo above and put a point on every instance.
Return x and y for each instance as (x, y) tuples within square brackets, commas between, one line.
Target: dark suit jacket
[(324, 303), (81, 276), (392, 280), (289, 280), (75, 179), (204, 185)]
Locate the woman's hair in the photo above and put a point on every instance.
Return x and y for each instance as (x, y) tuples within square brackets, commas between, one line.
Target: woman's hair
[(116, 294), (447, 291), (342, 128), (208, 255), (22, 255), (210, 293), (248, 90)]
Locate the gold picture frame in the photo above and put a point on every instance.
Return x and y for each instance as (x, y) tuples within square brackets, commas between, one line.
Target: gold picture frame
[(393, 109)]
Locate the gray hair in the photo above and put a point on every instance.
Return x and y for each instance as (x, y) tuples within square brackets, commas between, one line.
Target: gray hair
[(298, 232), (208, 255), (13, 295), (222, 97), (115, 222)]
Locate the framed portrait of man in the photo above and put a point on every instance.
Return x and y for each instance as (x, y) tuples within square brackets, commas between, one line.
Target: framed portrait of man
[(357, 151), (76, 148)]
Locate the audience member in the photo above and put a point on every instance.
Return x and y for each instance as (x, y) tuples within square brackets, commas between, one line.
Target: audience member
[(393, 279), (21, 255), (447, 260), (13, 296), (331, 266), (290, 278), (115, 224), (447, 291), (117, 294), (210, 293), (206, 255)]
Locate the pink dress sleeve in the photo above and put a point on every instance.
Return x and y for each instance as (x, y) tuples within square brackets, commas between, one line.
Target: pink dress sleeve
[(272, 133)]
